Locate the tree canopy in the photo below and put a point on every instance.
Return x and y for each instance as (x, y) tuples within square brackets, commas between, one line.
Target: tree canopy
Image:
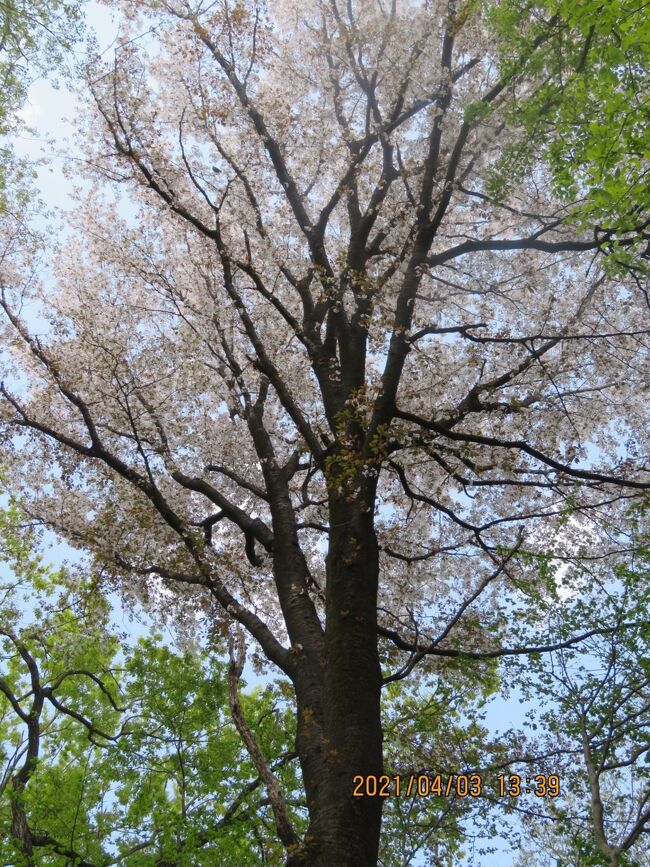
[(348, 346)]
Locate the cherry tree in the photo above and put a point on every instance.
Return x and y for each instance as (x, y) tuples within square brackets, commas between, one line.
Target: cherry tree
[(338, 339)]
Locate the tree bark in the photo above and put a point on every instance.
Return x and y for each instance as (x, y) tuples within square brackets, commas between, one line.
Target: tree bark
[(20, 829), (345, 829)]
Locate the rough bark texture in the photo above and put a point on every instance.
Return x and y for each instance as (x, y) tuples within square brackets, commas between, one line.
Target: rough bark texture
[(352, 725), (20, 829)]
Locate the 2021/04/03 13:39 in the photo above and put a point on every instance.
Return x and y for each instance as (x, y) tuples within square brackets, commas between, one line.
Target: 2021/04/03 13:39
[(453, 785)]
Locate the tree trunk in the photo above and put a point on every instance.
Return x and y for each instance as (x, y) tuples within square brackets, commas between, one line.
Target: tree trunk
[(20, 829), (344, 829)]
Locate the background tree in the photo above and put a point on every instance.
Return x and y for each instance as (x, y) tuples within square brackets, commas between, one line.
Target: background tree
[(588, 118), (55, 686), (593, 707), (35, 39), (132, 760), (333, 376)]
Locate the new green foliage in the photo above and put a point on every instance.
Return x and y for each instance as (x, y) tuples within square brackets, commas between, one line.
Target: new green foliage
[(109, 750), (583, 110)]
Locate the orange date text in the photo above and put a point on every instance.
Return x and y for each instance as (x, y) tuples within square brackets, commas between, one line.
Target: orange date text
[(417, 785), (454, 786)]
